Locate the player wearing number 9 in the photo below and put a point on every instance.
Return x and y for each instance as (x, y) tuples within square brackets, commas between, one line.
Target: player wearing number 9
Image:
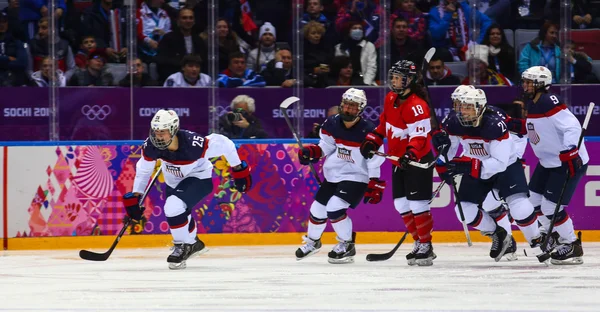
[(405, 122), (187, 171)]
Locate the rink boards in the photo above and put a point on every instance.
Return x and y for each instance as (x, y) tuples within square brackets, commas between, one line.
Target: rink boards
[(68, 196)]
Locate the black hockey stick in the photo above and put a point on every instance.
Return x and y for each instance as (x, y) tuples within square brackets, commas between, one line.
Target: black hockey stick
[(92, 256), (460, 210), (389, 254), (283, 107), (410, 162), (586, 121)]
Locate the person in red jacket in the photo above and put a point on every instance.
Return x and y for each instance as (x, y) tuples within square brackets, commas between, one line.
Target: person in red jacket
[(405, 122)]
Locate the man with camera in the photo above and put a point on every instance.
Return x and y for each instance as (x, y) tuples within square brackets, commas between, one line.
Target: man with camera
[(241, 123)]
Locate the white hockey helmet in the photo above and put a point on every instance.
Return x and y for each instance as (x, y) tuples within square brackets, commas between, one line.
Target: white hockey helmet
[(355, 96), (455, 96), (471, 106), (164, 120), (541, 77)]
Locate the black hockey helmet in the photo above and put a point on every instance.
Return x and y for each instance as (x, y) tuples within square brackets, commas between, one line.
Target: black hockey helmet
[(405, 69)]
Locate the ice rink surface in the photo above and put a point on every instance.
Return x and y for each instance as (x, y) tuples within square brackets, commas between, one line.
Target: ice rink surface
[(269, 278)]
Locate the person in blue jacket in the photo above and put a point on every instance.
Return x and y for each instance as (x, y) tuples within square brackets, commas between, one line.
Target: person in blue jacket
[(237, 75)]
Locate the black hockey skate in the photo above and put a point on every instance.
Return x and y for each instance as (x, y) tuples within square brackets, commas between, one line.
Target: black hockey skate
[(181, 252), (310, 247), (511, 251), (343, 252), (545, 253), (410, 257), (571, 253), (500, 242), (425, 254)]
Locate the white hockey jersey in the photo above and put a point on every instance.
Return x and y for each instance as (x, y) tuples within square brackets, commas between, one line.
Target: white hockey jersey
[(191, 159), (341, 146), (552, 128), (178, 80), (490, 142)]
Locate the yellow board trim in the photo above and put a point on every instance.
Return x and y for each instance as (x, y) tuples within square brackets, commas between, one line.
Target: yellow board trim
[(243, 239)]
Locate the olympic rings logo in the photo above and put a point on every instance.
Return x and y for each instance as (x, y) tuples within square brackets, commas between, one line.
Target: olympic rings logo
[(96, 112), (371, 113)]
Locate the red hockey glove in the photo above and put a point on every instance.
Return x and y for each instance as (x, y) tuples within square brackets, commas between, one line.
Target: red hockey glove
[(465, 165), (131, 202), (372, 142), (517, 125), (374, 191), (242, 177), (407, 158), (571, 160), (310, 154)]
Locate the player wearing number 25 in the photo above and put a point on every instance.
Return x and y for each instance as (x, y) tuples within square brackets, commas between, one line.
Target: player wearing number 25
[(405, 122), (188, 174)]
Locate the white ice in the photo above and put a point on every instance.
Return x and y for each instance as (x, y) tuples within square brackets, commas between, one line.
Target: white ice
[(268, 278)]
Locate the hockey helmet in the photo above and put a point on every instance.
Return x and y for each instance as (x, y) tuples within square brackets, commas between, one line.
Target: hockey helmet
[(353, 95), (163, 120), (471, 106), (460, 90), (541, 78), (402, 75)]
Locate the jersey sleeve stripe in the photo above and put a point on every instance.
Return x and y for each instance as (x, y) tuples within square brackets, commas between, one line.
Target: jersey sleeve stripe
[(325, 132), (146, 157), (206, 142), (549, 113), (180, 162), (347, 143), (471, 137)]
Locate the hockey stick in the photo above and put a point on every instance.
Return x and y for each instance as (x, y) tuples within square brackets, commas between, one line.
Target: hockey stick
[(410, 162), (426, 61), (92, 256), (586, 121), (460, 210), (283, 107), (389, 254)]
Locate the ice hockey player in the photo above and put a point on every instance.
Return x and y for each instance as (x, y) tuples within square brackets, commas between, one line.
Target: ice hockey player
[(554, 134), (348, 175), (489, 162), (188, 174), (405, 122)]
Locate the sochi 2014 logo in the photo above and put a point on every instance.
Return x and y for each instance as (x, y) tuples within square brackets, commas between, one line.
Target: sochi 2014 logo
[(96, 112)]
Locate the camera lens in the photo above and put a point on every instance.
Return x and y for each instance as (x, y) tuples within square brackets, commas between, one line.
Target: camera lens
[(234, 117)]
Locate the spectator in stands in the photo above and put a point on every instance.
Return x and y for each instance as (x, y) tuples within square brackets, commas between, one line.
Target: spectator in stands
[(402, 46), (417, 21), (438, 74), (14, 23), (95, 22), (314, 13), (502, 55), (543, 51), (229, 42), (259, 57), (88, 43), (583, 15), (580, 65), (314, 133), (280, 71), (175, 45), (365, 12), (238, 75), (318, 53), (32, 10), (190, 75), (450, 27), (241, 123), (140, 77), (277, 12), (342, 73), (95, 74), (13, 57), (44, 78), (152, 25), (477, 65), (361, 52), (40, 48)]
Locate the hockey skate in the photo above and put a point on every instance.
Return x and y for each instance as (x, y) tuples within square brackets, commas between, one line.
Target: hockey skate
[(571, 253), (500, 242), (343, 252), (410, 257), (425, 254), (511, 251), (309, 248), (181, 252), (544, 254)]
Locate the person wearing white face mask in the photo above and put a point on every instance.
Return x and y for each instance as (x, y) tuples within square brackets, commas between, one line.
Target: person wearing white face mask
[(361, 51)]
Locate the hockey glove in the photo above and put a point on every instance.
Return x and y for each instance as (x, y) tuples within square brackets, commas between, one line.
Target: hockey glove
[(310, 154), (132, 203), (517, 125), (442, 171), (374, 191), (441, 142), (372, 142), (571, 160), (242, 177), (465, 166), (407, 158)]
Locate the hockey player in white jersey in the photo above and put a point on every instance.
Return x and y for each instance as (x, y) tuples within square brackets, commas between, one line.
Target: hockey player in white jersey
[(554, 134), (348, 175), (188, 174), (489, 162)]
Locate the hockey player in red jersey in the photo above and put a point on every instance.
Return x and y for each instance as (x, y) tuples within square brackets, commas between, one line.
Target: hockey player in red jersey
[(405, 122)]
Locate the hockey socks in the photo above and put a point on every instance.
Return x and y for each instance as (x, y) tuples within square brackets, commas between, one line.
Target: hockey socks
[(411, 226), (424, 225)]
